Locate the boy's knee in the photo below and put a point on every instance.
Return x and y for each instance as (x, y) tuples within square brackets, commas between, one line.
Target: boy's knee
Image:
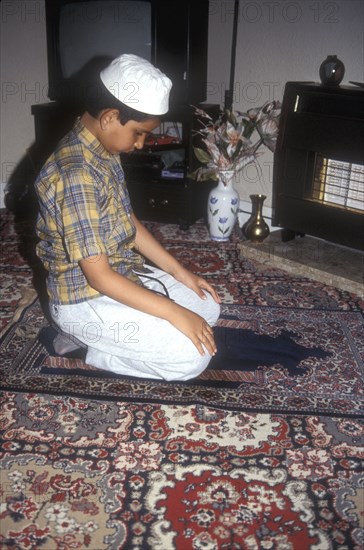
[(190, 369), (212, 311), (216, 312)]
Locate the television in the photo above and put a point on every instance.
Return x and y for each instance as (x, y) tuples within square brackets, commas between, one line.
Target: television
[(85, 35)]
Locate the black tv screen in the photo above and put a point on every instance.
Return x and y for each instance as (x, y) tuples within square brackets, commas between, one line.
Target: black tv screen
[(100, 28), (84, 34)]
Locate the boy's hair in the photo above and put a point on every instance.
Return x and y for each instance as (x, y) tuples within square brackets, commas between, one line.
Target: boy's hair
[(98, 98)]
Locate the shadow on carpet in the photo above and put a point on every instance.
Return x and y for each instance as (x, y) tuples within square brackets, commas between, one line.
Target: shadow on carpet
[(269, 360)]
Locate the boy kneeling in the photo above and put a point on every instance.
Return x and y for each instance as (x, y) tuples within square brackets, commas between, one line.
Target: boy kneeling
[(137, 320)]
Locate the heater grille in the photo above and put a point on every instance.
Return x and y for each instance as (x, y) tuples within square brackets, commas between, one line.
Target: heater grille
[(339, 184)]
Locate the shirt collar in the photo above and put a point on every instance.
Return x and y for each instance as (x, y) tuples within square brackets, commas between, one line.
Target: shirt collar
[(91, 142)]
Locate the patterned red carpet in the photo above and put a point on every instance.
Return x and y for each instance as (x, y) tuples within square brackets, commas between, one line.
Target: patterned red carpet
[(143, 468)]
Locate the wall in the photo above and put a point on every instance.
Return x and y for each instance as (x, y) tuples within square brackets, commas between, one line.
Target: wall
[(23, 79), (278, 40)]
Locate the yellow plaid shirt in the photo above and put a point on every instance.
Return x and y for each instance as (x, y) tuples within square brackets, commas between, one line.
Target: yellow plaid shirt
[(84, 211)]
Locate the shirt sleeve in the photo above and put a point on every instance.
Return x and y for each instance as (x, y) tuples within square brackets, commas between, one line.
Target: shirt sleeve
[(78, 214)]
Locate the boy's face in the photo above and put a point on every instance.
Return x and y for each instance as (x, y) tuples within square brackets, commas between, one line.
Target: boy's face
[(119, 138)]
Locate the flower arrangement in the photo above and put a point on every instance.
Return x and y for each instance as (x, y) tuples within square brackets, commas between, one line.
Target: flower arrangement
[(229, 140)]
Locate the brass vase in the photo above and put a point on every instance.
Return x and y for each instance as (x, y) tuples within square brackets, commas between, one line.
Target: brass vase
[(256, 229)]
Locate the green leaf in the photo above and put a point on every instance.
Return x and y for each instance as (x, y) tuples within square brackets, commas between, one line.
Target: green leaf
[(249, 129), (203, 174), (193, 175), (201, 155), (231, 117), (237, 150)]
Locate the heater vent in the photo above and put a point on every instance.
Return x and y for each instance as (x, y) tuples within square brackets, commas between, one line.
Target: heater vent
[(318, 174), (339, 183)]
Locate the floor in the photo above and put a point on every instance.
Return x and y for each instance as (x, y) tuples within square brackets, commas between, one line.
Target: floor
[(311, 257)]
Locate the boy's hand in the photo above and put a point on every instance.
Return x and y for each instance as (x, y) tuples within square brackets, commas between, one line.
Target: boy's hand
[(197, 284), (195, 328)]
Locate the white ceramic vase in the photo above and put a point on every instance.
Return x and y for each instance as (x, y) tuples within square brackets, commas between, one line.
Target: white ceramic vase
[(223, 207)]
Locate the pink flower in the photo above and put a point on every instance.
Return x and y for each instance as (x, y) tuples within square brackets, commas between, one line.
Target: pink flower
[(228, 140)]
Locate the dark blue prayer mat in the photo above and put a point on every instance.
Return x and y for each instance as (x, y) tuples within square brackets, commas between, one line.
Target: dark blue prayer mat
[(269, 359)]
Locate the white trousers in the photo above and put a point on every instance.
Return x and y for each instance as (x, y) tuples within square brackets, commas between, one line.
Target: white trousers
[(126, 341)]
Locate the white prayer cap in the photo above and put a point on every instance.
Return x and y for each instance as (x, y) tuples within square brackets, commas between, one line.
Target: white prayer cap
[(138, 84)]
